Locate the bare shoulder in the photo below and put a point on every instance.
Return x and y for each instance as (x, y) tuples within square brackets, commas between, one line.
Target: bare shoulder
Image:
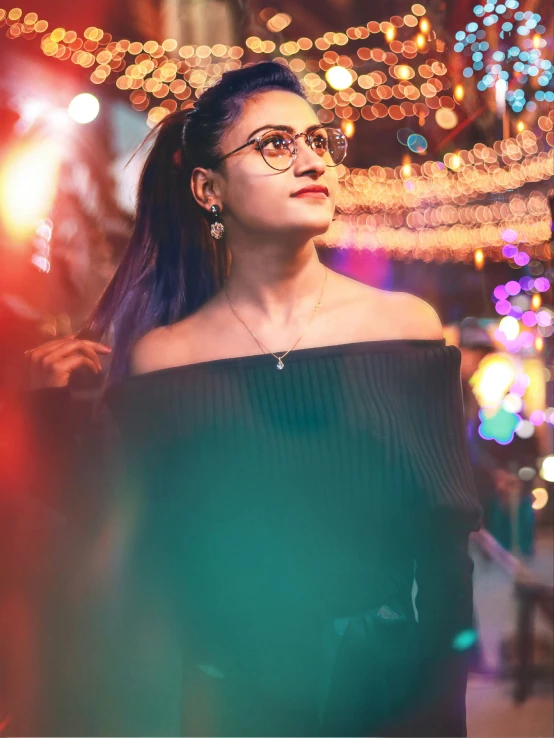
[(398, 315), (415, 318), (158, 349)]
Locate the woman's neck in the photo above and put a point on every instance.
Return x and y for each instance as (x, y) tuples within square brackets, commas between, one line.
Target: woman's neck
[(276, 293)]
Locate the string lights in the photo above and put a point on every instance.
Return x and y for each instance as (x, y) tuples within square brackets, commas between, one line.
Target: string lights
[(168, 77), (468, 175), (422, 210), (515, 56), (440, 244)]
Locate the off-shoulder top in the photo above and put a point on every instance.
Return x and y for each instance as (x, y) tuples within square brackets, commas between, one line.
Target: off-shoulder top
[(267, 527)]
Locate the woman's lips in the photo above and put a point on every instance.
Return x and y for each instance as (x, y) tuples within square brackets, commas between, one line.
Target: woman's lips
[(317, 195)]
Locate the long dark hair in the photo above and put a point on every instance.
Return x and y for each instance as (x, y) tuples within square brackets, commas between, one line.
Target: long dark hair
[(172, 265)]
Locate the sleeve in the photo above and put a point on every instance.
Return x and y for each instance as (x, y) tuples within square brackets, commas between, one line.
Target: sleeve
[(444, 603), (449, 511)]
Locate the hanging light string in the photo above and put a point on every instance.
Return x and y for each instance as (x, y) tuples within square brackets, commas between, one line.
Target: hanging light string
[(153, 71)]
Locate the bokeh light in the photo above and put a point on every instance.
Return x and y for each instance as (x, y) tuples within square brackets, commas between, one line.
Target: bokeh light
[(84, 108)]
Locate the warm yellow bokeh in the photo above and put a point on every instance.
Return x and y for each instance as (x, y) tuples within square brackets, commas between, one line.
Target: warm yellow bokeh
[(28, 183)]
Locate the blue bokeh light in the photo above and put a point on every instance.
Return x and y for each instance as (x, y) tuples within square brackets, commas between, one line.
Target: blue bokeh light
[(417, 143), (526, 62)]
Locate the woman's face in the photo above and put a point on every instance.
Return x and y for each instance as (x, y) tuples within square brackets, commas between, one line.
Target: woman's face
[(261, 199)]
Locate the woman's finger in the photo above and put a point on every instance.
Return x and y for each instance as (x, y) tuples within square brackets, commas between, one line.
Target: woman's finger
[(58, 375), (45, 348), (67, 345), (60, 351), (69, 364), (95, 345), (63, 351)]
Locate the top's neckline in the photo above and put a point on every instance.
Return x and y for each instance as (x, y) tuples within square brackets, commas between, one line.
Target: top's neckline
[(356, 347)]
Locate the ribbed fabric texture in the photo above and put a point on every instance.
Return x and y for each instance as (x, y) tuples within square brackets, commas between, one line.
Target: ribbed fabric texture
[(272, 521)]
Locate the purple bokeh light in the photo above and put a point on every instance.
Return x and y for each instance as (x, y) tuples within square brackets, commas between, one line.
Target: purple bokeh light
[(509, 235), (529, 318), (527, 283), (521, 258), (513, 288), (503, 307), (542, 284), (537, 417), (509, 251)]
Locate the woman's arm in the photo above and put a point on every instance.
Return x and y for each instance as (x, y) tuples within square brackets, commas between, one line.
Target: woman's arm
[(445, 510)]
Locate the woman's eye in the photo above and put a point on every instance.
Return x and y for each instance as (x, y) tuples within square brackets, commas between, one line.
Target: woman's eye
[(277, 143), (319, 142)]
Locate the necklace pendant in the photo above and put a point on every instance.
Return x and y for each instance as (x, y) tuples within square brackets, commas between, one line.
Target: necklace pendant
[(280, 364)]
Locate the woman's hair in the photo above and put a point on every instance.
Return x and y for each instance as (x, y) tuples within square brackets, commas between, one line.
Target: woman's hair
[(172, 265)]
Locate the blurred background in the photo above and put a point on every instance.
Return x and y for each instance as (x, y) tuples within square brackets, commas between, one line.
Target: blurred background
[(446, 192)]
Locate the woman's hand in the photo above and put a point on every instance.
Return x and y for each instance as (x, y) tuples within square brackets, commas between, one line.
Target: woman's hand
[(52, 363)]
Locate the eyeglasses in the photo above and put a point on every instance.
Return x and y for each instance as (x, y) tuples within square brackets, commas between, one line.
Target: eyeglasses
[(279, 148)]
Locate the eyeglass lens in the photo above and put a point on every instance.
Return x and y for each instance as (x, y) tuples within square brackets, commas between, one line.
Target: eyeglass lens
[(277, 147)]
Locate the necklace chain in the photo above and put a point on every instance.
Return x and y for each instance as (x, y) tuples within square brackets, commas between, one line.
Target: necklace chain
[(280, 364)]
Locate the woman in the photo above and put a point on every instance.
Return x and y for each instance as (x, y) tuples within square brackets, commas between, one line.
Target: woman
[(273, 501)]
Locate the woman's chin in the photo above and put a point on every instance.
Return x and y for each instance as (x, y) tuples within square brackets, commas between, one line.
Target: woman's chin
[(320, 228), (312, 226)]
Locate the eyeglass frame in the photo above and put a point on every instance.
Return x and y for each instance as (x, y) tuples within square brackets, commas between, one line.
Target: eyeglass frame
[(294, 136)]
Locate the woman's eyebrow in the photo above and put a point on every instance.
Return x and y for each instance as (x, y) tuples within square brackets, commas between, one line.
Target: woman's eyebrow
[(278, 127)]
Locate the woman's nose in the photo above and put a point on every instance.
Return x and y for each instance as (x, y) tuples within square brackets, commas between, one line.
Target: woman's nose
[(307, 156)]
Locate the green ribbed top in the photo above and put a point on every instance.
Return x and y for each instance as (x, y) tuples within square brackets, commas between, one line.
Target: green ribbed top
[(269, 526)]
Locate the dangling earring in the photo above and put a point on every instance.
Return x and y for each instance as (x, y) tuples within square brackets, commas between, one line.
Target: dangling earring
[(216, 229)]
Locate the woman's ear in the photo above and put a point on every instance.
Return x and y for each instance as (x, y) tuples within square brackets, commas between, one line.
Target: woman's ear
[(204, 187)]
